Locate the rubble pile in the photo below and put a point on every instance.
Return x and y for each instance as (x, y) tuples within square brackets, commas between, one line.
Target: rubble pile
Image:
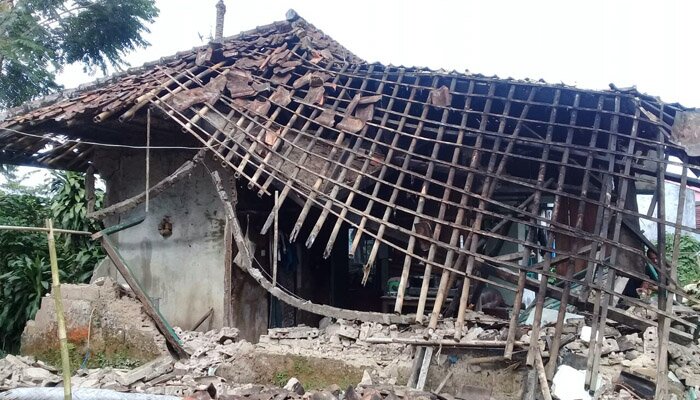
[(346, 340), (630, 355), (343, 339)]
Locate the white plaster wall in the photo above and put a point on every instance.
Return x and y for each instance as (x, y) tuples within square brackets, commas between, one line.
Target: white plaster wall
[(671, 197), (183, 273)]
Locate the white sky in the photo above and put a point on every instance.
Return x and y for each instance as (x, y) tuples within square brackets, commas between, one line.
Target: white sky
[(650, 44)]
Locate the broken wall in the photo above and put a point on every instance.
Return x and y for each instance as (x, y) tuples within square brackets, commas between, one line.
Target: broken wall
[(182, 272), (113, 326)]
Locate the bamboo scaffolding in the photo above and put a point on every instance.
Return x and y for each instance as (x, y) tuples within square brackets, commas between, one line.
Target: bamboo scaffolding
[(423, 152), (300, 192), (607, 298), (664, 300)]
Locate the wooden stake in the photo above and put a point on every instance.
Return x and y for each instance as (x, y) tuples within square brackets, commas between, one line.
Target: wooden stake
[(544, 385), (60, 319), (148, 156), (276, 238), (665, 302), (556, 341), (423, 376), (90, 189)]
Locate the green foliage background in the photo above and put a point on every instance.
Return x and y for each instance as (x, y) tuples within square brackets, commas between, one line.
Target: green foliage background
[(688, 258), (38, 37), (24, 261)]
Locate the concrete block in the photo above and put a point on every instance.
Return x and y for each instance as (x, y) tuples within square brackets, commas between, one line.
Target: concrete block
[(348, 331), (80, 292), (646, 372), (609, 345), (568, 384), (36, 375), (693, 380), (150, 370), (299, 332), (628, 342)]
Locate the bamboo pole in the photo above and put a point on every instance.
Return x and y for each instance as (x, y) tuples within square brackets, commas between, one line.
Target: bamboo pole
[(60, 320), (276, 238), (148, 157), (541, 375), (39, 229)]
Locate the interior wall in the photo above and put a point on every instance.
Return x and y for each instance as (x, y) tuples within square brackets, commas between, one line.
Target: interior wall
[(183, 273)]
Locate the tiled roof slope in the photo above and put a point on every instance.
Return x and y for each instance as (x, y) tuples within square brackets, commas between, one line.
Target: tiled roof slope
[(117, 93)]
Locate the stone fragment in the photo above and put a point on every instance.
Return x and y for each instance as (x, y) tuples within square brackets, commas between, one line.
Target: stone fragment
[(90, 383), (609, 345), (692, 380), (646, 372), (324, 323), (351, 394), (568, 384), (36, 375), (473, 333), (371, 394), (632, 354), (334, 389), (322, 395), (366, 379), (293, 385), (150, 370), (348, 331), (227, 333), (628, 342), (299, 332), (573, 346)]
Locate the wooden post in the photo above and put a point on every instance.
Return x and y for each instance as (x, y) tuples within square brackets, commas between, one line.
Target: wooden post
[(60, 319), (90, 189), (665, 301), (276, 239), (425, 366), (544, 386), (148, 156), (556, 341)]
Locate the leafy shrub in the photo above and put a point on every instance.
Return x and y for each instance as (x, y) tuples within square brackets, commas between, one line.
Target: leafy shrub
[(688, 258), (24, 260)]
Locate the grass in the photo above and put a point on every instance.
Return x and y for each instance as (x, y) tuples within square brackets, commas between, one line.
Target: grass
[(316, 374), (117, 359)]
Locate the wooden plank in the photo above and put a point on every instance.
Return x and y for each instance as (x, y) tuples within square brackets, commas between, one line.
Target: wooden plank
[(665, 301), (125, 205), (544, 385), (423, 376), (415, 368), (228, 274)]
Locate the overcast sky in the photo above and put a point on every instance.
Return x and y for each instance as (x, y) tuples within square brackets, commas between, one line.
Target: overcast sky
[(650, 44)]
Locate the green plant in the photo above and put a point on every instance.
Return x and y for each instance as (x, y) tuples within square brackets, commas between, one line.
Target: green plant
[(24, 268), (38, 37), (281, 379), (688, 258)]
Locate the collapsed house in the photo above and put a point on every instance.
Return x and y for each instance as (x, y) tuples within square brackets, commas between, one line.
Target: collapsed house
[(274, 177)]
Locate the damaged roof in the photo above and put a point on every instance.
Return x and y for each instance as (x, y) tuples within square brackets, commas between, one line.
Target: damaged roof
[(122, 96)]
